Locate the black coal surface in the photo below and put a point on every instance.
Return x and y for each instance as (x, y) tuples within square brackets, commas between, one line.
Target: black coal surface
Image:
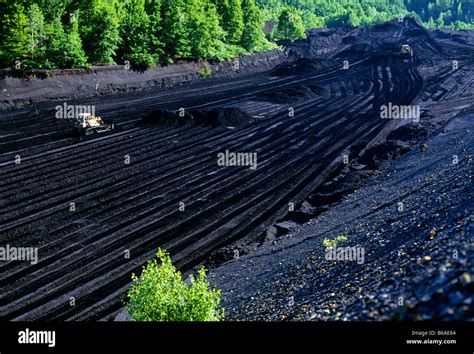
[(219, 117), (302, 66)]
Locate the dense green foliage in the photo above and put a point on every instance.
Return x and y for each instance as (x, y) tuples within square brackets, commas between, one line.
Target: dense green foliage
[(64, 48), (77, 33), (99, 25), (352, 13), (252, 36), (15, 39), (290, 25), (161, 295), (232, 19)]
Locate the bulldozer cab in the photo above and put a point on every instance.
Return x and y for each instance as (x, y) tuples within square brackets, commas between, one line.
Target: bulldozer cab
[(406, 50), (88, 124), (86, 120)]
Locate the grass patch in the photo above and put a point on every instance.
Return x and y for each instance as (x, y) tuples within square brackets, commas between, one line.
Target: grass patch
[(205, 71), (333, 243)]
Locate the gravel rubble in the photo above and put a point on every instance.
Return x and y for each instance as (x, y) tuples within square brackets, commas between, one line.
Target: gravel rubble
[(414, 222)]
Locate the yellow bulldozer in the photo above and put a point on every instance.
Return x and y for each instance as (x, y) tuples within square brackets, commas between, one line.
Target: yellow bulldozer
[(87, 124), (406, 51)]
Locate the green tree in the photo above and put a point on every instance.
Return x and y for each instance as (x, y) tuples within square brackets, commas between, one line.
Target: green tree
[(161, 295), (134, 32), (253, 38), (64, 49), (153, 9), (290, 25), (459, 10), (74, 55), (175, 35), (431, 23), (459, 25), (99, 29), (440, 20), (15, 37), (36, 32), (53, 9), (353, 20), (203, 28), (320, 13), (232, 20)]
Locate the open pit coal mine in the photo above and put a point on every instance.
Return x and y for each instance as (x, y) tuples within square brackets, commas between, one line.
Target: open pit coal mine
[(98, 207)]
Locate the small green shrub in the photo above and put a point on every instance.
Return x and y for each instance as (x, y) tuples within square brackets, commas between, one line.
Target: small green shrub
[(143, 61), (160, 294), (332, 243), (206, 71)]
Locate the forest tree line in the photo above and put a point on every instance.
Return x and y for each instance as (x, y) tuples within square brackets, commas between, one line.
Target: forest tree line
[(77, 33), (456, 14)]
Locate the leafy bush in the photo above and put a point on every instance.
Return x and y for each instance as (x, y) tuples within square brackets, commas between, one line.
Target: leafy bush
[(143, 60), (32, 64), (160, 294), (227, 51), (205, 71)]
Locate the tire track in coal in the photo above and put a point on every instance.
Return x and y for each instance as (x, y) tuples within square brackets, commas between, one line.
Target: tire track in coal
[(173, 154), (299, 80), (109, 197), (245, 207), (141, 246), (62, 240)]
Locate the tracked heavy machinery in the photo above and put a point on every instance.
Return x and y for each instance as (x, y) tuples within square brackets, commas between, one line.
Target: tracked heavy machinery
[(406, 52), (87, 124)]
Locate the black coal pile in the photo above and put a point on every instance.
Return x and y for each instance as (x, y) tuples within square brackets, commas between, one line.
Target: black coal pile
[(356, 49), (351, 40), (220, 117), (380, 156), (302, 66), (385, 27), (324, 38), (293, 94), (461, 36), (411, 133), (163, 116)]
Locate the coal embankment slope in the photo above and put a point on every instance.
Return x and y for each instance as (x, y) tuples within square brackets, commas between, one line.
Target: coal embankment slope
[(418, 261), (97, 208), (63, 85)]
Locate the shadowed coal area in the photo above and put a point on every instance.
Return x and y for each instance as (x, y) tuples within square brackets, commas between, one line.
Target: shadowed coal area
[(214, 118)]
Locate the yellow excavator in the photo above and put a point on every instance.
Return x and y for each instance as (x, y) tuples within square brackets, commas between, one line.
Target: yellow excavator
[(87, 124)]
